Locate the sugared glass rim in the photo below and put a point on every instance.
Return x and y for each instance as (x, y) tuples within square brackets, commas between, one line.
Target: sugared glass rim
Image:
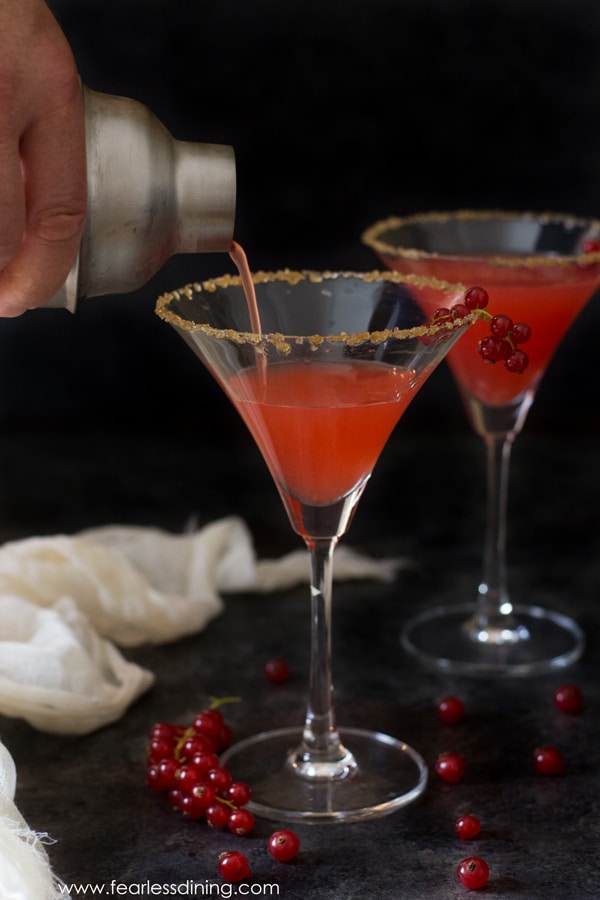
[(372, 237), (294, 277)]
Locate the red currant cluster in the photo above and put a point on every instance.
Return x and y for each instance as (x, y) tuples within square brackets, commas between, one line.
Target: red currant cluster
[(182, 762), (503, 344), (473, 872)]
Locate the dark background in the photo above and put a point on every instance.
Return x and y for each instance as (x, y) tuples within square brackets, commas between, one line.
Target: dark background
[(340, 112)]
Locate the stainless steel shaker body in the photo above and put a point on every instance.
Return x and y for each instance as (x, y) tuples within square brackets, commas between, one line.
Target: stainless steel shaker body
[(149, 197)]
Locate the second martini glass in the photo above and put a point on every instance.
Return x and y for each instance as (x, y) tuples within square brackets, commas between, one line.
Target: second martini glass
[(541, 269), (337, 361)]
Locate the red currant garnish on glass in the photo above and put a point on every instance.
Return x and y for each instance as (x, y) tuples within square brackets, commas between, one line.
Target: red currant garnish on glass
[(516, 361), (476, 298), (467, 827), (591, 246), (233, 866), (277, 670), (568, 698), (501, 325), (493, 349), (450, 767), (284, 845), (549, 761), (451, 710), (473, 872)]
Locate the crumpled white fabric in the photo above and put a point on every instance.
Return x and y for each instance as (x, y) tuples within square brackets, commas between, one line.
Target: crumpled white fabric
[(67, 603), (25, 868)]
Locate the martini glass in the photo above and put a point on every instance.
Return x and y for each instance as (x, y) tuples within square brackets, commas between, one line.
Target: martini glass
[(537, 268), (321, 387)]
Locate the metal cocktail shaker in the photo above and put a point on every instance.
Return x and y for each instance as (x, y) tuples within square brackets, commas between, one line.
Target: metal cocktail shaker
[(149, 197)]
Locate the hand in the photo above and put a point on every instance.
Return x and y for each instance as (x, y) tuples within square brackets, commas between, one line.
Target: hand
[(43, 186)]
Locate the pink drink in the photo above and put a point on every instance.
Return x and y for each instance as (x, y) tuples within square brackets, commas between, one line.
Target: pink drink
[(321, 426), (547, 297)]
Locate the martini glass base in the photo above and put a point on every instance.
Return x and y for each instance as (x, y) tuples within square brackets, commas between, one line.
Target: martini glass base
[(390, 775), (540, 641)]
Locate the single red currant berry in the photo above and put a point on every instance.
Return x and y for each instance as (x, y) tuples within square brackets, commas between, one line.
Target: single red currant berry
[(209, 723), (204, 762), (460, 311), (549, 760), (217, 815), (277, 670), (166, 730), (167, 769), (501, 325), (476, 298), (205, 794), (233, 866), (191, 806), (516, 361), (493, 349), (467, 827), (160, 748), (186, 777), (473, 872), (441, 315), (153, 779), (238, 793), (568, 698), (200, 743), (450, 767), (241, 821), (284, 845), (521, 332), (451, 710), (220, 779)]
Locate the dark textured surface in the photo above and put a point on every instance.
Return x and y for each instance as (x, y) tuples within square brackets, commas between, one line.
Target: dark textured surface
[(540, 836)]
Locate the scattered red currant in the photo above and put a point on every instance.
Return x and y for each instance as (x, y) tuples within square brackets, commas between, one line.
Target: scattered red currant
[(233, 866), (549, 761), (277, 670), (568, 698), (467, 827), (284, 845), (473, 872), (450, 767), (476, 298), (451, 710)]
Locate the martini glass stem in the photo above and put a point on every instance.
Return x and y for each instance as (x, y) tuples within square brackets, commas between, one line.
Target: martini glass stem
[(321, 754), (494, 605)]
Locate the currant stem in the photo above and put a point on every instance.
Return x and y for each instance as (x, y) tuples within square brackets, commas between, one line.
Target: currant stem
[(321, 754)]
